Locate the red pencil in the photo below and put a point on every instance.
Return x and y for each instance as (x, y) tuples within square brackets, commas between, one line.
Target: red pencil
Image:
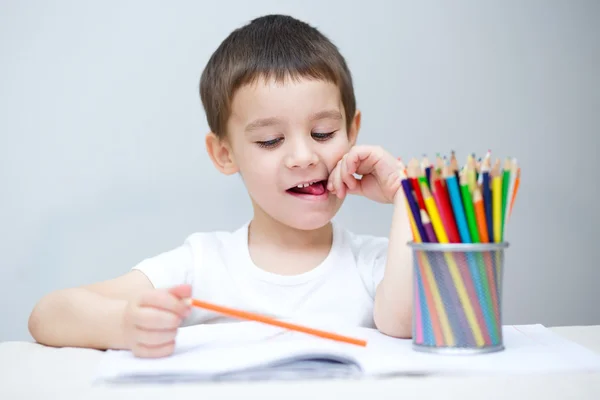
[(442, 199), (413, 169)]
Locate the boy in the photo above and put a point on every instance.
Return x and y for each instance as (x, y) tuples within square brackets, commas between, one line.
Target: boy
[(280, 105)]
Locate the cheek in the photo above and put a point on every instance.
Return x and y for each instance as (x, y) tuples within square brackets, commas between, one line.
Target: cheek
[(258, 170), (336, 150)]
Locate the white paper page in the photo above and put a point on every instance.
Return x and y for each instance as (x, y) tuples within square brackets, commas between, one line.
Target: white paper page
[(529, 349), (205, 350)]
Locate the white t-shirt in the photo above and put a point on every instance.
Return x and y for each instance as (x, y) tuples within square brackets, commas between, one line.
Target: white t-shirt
[(219, 267)]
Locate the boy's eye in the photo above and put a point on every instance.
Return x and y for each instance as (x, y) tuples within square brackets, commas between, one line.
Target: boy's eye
[(269, 143), (323, 136)]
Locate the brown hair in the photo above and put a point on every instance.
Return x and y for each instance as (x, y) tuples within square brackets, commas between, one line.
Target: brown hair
[(272, 46)]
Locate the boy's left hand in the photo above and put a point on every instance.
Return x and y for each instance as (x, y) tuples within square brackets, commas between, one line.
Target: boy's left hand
[(380, 174)]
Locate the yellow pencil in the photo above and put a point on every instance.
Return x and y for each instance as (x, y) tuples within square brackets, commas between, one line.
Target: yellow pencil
[(413, 226), (471, 173), (497, 201), (432, 210)]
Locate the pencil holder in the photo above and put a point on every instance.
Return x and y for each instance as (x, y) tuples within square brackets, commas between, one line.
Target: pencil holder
[(457, 307)]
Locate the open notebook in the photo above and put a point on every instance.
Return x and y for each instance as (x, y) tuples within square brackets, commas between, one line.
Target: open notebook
[(253, 351)]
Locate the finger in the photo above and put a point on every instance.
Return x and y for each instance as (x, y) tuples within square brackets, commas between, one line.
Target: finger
[(162, 299), (331, 179), (155, 338), (154, 318), (347, 176), (143, 351), (357, 190), (340, 188), (363, 159), (181, 291), (375, 160), (401, 164)]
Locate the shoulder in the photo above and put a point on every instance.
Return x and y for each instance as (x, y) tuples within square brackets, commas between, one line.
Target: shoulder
[(217, 239), (178, 264)]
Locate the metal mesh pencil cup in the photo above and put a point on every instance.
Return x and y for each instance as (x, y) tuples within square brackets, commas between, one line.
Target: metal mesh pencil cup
[(457, 307)]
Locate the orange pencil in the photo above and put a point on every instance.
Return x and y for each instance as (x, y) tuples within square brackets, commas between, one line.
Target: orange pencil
[(271, 321), (514, 194), (480, 216)]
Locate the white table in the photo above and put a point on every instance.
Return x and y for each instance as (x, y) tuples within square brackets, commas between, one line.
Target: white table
[(29, 370)]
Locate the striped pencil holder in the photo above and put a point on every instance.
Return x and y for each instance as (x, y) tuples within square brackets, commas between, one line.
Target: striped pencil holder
[(457, 307)]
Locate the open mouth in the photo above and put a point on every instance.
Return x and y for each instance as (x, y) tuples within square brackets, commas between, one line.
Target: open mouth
[(316, 188)]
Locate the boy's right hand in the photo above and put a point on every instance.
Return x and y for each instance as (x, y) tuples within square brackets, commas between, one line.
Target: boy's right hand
[(150, 323)]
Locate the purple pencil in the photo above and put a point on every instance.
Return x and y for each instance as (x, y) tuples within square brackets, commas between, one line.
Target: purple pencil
[(414, 207), (430, 233)]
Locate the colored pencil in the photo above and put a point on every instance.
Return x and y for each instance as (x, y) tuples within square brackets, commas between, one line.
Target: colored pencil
[(497, 201), (514, 195), (413, 226), (468, 204), (480, 215), (443, 202), (484, 165), (454, 168), (457, 205), (412, 172), (471, 173), (439, 163), (487, 198), (250, 316), (429, 231), (469, 210), (505, 188), (414, 208), (426, 167), (436, 221), (514, 172)]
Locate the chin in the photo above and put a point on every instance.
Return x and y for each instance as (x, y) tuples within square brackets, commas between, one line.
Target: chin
[(300, 216), (307, 225), (307, 221)]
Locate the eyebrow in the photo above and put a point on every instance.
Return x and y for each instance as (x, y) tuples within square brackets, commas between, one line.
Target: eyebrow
[(266, 122), (261, 123), (327, 114)]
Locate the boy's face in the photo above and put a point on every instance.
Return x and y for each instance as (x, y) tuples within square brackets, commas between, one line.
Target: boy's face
[(285, 135)]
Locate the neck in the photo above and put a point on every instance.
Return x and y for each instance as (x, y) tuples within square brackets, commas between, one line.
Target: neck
[(264, 230)]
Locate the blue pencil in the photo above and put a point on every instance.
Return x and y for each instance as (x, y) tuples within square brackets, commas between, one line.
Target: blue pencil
[(487, 202), (457, 206)]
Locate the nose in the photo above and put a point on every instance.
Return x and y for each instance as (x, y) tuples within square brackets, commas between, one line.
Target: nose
[(301, 155)]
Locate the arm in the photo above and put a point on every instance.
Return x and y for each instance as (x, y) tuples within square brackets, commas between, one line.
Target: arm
[(90, 316), (393, 299), (381, 182)]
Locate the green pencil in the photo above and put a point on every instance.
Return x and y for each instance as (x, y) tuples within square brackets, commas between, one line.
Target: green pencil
[(505, 186), (469, 209)]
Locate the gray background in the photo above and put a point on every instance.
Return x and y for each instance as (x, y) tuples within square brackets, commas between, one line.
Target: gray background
[(102, 161)]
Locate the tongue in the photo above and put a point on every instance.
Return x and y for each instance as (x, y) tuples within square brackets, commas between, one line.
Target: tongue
[(315, 189)]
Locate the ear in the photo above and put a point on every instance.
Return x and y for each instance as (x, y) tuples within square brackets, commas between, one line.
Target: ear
[(220, 153), (354, 128)]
